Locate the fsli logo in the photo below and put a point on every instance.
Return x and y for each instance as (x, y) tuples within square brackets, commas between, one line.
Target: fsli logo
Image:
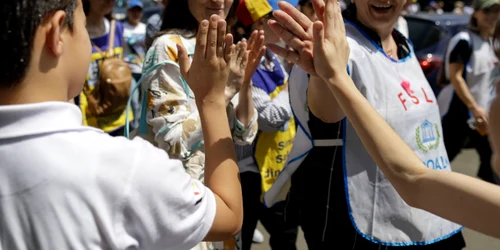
[(427, 136)]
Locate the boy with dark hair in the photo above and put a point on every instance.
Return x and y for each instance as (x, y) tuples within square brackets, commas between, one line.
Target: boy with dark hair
[(66, 186)]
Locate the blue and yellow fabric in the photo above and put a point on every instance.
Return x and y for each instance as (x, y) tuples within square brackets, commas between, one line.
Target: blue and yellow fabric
[(250, 11), (272, 148)]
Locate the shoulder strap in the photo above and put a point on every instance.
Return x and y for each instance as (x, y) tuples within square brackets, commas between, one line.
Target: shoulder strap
[(112, 31)]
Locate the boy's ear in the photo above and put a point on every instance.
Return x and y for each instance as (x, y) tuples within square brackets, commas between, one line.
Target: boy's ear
[(56, 29)]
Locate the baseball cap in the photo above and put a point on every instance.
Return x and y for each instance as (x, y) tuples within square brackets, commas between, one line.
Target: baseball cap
[(484, 4), (135, 3), (250, 11)]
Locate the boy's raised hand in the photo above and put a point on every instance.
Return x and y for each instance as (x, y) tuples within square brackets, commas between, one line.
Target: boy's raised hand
[(208, 73)]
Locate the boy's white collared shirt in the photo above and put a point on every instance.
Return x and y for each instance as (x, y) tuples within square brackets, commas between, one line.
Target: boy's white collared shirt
[(66, 186)]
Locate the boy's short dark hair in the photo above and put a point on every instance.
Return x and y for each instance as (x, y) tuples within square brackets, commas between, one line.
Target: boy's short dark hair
[(19, 20)]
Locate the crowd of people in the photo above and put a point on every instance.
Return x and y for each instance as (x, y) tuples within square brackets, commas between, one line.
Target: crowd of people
[(185, 131)]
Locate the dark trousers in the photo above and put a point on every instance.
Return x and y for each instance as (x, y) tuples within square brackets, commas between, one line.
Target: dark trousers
[(283, 235), (456, 132), (318, 193)]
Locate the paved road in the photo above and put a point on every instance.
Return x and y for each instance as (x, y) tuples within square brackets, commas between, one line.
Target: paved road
[(466, 163)]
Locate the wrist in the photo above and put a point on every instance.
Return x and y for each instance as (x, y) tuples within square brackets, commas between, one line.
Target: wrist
[(337, 80), (229, 93), (211, 103), (473, 108)]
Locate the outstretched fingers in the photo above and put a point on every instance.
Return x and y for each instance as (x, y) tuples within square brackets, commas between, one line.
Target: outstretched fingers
[(184, 62), (252, 39), (300, 19), (319, 9), (319, 36), (229, 47), (212, 37), (242, 51), (291, 24), (289, 38), (221, 38), (330, 17), (201, 40)]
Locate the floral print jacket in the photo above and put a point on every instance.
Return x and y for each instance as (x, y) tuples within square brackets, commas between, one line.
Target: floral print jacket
[(172, 115)]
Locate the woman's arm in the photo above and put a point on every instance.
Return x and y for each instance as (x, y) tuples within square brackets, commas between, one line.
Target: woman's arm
[(245, 124), (321, 103), (456, 77), (456, 71), (459, 198), (245, 112)]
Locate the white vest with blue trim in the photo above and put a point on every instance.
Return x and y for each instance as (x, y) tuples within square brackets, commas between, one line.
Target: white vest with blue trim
[(481, 71), (377, 211)]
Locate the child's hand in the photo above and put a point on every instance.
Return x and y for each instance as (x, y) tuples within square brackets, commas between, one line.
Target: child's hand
[(207, 74), (256, 50)]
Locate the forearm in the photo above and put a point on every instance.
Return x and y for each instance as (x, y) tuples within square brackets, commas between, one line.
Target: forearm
[(463, 92), (229, 94), (460, 198), (221, 170), (321, 102), (393, 156), (453, 196), (245, 108)]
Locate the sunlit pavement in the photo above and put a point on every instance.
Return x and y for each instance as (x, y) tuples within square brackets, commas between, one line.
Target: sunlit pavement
[(467, 163)]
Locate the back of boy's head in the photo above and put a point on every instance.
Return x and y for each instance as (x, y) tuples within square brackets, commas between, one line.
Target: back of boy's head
[(19, 21)]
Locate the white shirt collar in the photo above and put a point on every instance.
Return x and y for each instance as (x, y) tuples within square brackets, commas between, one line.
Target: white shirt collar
[(40, 118)]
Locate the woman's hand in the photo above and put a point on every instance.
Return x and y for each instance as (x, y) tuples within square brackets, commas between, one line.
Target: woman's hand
[(208, 73), (256, 50), (481, 117), (237, 66), (331, 50), (296, 29)]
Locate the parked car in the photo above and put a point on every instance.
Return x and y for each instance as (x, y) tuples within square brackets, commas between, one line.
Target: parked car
[(430, 34)]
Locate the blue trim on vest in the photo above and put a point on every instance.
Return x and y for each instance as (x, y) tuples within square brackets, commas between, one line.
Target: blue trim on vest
[(402, 60), (349, 209)]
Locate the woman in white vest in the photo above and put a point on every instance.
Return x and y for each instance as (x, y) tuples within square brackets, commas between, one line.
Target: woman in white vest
[(344, 197), (457, 197), (470, 66)]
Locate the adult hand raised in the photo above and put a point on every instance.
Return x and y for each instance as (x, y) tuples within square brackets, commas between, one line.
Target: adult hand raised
[(296, 30), (256, 50), (331, 50), (207, 74)]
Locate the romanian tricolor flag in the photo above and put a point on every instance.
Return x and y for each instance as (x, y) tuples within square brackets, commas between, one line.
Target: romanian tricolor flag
[(250, 11)]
